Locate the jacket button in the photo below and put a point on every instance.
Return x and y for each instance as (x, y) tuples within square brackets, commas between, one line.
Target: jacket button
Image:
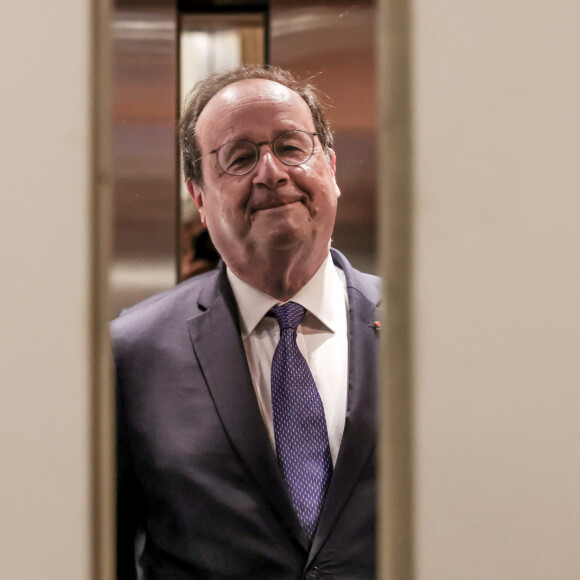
[(313, 574)]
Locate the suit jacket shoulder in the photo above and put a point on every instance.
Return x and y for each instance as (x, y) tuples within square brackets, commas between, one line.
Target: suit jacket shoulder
[(176, 304), (367, 285)]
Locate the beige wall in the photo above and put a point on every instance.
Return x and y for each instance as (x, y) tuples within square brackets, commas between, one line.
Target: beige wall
[(44, 293), (496, 93)]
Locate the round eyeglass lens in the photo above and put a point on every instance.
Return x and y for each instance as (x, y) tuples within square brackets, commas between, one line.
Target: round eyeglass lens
[(237, 157), (294, 147)]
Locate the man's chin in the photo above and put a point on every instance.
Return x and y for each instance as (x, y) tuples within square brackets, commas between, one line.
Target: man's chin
[(282, 241), (282, 228)]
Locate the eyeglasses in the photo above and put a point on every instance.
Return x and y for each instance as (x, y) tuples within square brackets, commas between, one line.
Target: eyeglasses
[(240, 157)]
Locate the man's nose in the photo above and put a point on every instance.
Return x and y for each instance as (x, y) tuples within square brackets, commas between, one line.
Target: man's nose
[(270, 171)]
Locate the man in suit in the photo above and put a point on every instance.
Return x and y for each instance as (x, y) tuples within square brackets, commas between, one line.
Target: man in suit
[(246, 440)]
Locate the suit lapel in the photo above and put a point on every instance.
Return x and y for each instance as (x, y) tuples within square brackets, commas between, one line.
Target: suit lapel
[(217, 343), (359, 436)]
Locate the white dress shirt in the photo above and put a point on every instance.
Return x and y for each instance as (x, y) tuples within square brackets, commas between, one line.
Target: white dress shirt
[(322, 337)]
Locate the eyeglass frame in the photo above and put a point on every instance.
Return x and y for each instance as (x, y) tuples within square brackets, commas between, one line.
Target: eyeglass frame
[(258, 146)]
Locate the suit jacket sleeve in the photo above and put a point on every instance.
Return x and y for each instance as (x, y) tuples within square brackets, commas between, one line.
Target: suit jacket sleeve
[(128, 501)]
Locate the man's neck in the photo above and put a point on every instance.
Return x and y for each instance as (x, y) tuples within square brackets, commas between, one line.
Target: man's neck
[(281, 277)]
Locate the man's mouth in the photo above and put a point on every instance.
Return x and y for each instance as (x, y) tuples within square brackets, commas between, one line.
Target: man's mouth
[(274, 204)]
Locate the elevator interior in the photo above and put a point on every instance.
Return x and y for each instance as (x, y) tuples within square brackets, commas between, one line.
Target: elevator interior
[(161, 48)]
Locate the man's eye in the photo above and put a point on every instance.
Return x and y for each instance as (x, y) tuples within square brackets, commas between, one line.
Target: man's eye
[(290, 147), (291, 153), (240, 160)]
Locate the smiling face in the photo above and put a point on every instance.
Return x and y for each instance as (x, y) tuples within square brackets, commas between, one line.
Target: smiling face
[(275, 211)]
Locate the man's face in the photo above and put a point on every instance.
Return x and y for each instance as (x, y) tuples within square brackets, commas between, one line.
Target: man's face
[(274, 208)]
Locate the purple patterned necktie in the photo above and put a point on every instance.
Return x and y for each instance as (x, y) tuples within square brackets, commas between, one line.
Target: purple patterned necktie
[(299, 422)]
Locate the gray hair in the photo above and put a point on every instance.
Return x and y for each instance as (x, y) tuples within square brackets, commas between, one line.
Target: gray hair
[(204, 90)]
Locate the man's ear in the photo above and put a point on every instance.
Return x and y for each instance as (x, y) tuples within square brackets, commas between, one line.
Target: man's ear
[(195, 192), (332, 163)]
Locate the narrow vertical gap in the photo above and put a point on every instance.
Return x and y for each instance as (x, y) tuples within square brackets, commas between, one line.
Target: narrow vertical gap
[(396, 488), (102, 468), (177, 146), (267, 36)]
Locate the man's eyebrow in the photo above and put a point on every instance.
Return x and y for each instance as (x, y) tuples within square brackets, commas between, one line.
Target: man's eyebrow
[(277, 134)]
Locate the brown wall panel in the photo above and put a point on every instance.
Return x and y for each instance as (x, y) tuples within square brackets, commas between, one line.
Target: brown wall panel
[(144, 148)]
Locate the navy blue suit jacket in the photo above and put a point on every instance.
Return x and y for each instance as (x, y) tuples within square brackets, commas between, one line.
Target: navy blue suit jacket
[(198, 481)]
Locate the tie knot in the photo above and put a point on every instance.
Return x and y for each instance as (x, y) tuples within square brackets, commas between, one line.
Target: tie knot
[(289, 315)]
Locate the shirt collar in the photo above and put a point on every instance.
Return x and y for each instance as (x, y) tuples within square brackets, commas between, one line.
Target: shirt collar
[(323, 296)]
